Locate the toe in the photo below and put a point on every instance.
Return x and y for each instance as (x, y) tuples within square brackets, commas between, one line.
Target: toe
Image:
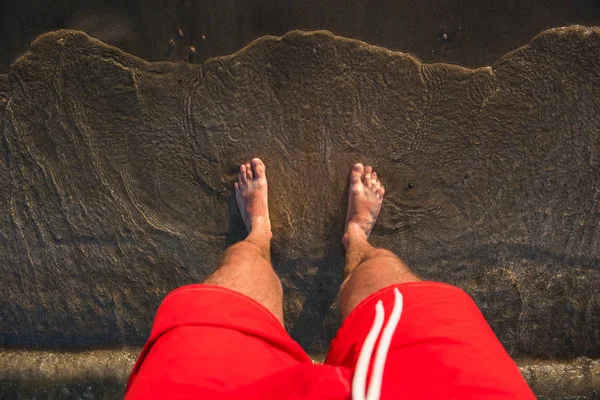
[(236, 186), (377, 185), (248, 171), (259, 168), (368, 170), (243, 174), (381, 191), (357, 172), (373, 179)]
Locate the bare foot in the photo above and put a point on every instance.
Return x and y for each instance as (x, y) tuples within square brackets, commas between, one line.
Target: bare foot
[(251, 196), (365, 196)]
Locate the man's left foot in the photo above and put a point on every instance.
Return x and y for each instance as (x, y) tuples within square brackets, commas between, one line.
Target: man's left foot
[(251, 196)]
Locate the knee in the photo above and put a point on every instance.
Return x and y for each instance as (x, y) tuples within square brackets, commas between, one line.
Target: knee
[(379, 263), (380, 254), (244, 249), (244, 246)]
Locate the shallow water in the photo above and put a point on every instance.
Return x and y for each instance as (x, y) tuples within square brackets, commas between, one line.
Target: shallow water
[(118, 176)]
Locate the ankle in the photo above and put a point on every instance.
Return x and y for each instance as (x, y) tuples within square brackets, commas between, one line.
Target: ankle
[(354, 233), (261, 227), (261, 233)]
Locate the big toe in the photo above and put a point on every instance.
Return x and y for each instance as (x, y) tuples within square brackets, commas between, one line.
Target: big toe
[(357, 171), (259, 168)]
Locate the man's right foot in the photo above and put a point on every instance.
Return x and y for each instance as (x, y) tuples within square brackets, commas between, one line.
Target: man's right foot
[(365, 196), (251, 195)]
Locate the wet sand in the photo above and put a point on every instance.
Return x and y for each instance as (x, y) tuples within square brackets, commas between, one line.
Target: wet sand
[(118, 172), (473, 33)]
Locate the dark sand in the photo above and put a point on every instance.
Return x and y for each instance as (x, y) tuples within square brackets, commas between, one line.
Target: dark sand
[(473, 32)]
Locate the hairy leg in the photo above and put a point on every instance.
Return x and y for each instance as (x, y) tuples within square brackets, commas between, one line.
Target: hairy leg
[(368, 269), (246, 266)]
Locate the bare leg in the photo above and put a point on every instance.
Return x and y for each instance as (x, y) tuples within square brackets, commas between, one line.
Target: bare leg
[(368, 269), (246, 266)]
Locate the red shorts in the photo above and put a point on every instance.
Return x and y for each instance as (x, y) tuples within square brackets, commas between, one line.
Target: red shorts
[(211, 342)]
